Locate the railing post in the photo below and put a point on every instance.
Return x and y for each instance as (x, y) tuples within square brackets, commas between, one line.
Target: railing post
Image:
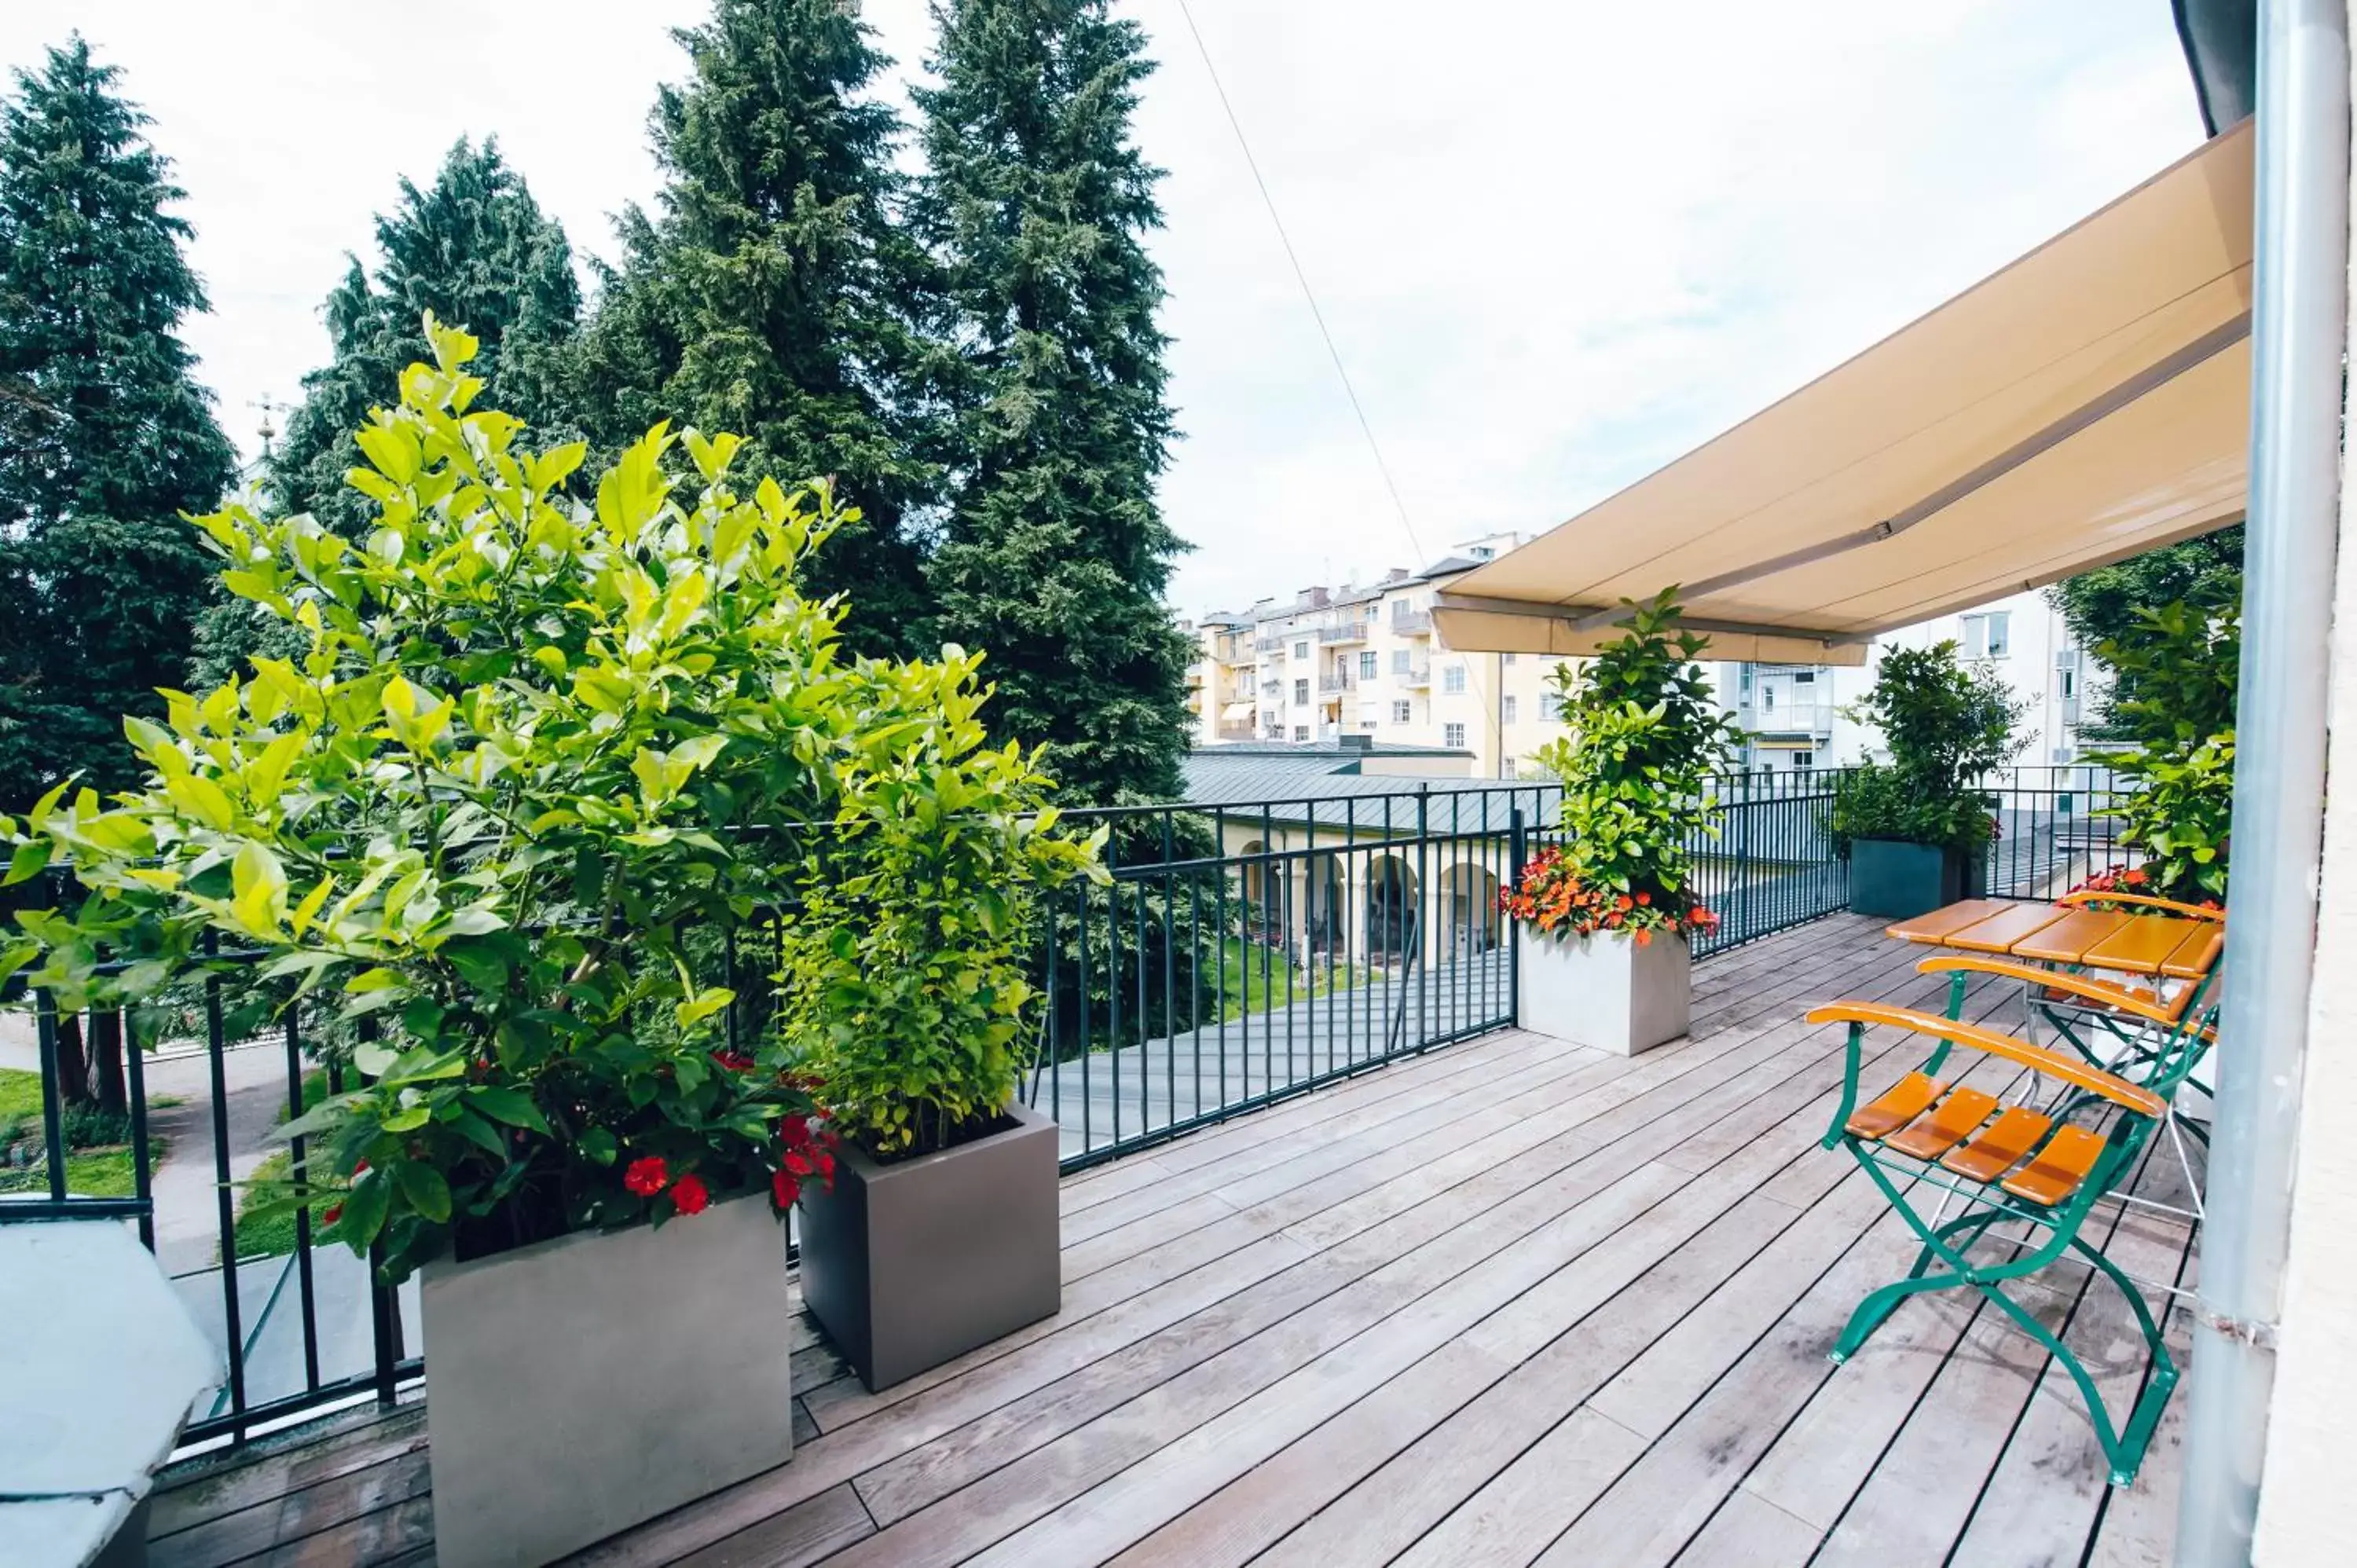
[(1517, 856)]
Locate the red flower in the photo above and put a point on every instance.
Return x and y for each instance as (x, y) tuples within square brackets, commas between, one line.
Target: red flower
[(785, 1189), (795, 1131), (1644, 898), (335, 1212), (1622, 902), (689, 1196), (826, 1165), (1644, 938), (646, 1177), (734, 1061), (799, 1163), (2132, 875), (358, 1165)]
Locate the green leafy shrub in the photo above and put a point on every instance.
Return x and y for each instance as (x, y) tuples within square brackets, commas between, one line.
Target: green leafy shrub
[(2182, 663), (905, 986), (1645, 739), (1945, 725), (538, 754)]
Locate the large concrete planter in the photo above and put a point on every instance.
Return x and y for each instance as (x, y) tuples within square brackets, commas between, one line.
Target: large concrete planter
[(908, 1264), (1896, 881), (1604, 990), (584, 1384)]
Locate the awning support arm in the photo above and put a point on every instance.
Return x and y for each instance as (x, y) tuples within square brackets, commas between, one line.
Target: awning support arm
[(2151, 379), (1588, 620)]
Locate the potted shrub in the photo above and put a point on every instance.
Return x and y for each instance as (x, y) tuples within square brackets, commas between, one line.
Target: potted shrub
[(2176, 688), (1915, 827), (501, 813), (1602, 919), (905, 993)]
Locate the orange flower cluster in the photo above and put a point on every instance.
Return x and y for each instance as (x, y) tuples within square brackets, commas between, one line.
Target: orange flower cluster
[(1550, 897)]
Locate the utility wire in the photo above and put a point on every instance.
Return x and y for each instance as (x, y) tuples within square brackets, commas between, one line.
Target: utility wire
[(1302, 277), (1366, 428)]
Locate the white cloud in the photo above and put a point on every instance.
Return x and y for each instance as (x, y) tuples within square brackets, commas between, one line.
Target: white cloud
[(1556, 243)]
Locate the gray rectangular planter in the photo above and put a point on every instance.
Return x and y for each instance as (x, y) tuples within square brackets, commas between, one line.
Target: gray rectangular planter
[(909, 1265), (1603, 989), (583, 1385), (1896, 881)]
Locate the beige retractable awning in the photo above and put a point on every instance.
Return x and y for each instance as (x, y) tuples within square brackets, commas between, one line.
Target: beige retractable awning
[(1239, 710), (2086, 403)]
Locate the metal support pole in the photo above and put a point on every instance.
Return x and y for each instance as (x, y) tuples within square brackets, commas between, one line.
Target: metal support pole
[(2300, 318)]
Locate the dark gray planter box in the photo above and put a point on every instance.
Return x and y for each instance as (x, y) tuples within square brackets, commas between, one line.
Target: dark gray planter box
[(1896, 881), (909, 1265)]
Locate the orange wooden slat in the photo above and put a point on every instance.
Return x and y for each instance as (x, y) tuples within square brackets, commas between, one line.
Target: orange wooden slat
[(2068, 939), (2069, 1070), (2000, 931), (2142, 945), (2001, 1145), (2059, 1168), (1936, 925), (1899, 1105), (1953, 1122), (2196, 955)]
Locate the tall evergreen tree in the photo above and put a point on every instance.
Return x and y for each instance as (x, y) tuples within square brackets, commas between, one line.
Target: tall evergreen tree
[(1055, 556), (476, 249), (769, 294), (105, 435)]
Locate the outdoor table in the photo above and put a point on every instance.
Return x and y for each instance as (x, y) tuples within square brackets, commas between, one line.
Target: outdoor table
[(2165, 947)]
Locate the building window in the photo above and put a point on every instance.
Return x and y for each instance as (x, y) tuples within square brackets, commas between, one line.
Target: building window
[(1805, 759), (2070, 684), (1452, 735), (1805, 678), (1452, 679), (1767, 699), (1505, 658), (1367, 666), (1551, 706), (1988, 636), (1399, 660), (1401, 713), (1301, 731), (1301, 650), (1366, 724), (1505, 710), (1301, 693)]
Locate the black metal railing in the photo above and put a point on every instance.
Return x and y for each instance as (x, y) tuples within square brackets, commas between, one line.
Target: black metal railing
[(2054, 828), (1241, 954)]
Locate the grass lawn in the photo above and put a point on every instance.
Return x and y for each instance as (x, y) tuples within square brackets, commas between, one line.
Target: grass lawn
[(102, 1172), (273, 1235), (1268, 988)]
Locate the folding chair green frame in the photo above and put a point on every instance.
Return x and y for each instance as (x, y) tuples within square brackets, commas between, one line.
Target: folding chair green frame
[(2046, 1166)]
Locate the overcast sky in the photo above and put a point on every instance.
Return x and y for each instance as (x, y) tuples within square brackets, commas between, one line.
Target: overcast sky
[(1558, 242)]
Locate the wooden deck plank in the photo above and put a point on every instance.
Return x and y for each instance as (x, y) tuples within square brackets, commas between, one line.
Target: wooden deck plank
[(1343, 1203), (987, 1445), (2049, 1486), (1208, 1454), (1507, 1301)]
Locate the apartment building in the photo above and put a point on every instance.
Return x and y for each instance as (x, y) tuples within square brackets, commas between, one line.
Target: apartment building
[(1794, 712), (1365, 660)]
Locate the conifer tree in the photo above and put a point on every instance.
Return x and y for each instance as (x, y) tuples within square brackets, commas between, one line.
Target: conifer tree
[(1055, 555), (770, 293), (476, 249), (105, 435)]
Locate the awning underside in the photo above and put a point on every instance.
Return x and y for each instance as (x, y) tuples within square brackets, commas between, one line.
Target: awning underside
[(2086, 403)]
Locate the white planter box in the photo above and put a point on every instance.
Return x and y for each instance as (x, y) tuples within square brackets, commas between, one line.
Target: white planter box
[(583, 1385), (1604, 990)]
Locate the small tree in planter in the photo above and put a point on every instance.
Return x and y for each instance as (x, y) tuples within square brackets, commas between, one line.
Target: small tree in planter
[(1604, 918), (1915, 827), (906, 991), (532, 767)]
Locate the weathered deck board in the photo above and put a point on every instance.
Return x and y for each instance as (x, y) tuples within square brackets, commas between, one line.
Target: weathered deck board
[(1508, 1302)]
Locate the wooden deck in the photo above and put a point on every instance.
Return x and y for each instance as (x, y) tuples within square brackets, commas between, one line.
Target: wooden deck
[(1509, 1303)]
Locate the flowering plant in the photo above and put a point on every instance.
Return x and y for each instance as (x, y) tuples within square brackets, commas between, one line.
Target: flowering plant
[(1645, 739), (2131, 879), (1550, 895), (499, 817)]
